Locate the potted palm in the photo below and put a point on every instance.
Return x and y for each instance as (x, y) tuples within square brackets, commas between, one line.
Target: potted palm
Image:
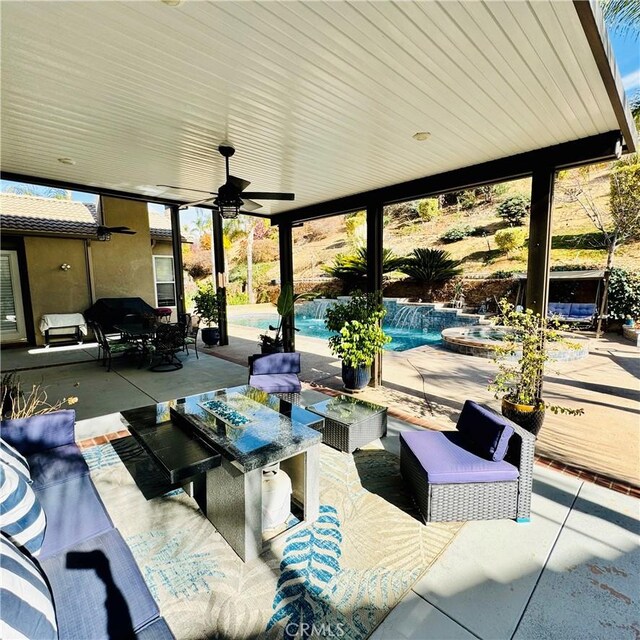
[(358, 338), (207, 305), (285, 306), (521, 360)]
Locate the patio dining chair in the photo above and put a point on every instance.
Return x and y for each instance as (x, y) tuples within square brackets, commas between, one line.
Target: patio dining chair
[(107, 347), (191, 326), (163, 349)]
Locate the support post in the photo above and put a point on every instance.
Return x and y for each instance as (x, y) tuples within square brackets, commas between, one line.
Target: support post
[(178, 267), (540, 240), (538, 264), (285, 238), (375, 232), (220, 275)]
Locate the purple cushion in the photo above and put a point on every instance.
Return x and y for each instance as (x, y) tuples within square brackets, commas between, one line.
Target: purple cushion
[(38, 433), (446, 461), (57, 465), (487, 433), (98, 590), (276, 383), (274, 363), (74, 513)]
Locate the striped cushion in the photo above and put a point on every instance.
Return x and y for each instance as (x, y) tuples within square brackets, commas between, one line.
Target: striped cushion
[(27, 607), (14, 459), (21, 516)]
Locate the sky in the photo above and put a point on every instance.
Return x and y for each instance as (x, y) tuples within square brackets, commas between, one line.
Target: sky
[(626, 49)]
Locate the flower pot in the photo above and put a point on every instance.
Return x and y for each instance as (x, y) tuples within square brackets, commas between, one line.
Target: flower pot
[(211, 336), (269, 348), (356, 378), (528, 416)]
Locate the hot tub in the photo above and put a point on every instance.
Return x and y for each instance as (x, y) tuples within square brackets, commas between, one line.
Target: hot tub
[(482, 340)]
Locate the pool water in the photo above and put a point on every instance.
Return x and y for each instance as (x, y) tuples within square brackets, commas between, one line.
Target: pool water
[(402, 339)]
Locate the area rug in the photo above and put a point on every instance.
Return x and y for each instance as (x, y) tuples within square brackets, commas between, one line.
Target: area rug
[(337, 578)]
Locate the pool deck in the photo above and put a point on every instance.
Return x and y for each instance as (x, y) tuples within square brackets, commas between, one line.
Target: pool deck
[(432, 383)]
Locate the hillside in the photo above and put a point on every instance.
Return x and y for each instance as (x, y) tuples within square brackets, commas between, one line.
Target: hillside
[(316, 243)]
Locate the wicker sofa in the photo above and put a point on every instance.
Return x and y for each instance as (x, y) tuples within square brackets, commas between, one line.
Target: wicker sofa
[(481, 471)]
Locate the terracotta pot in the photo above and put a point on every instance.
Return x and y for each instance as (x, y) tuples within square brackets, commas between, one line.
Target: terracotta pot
[(356, 378), (529, 417)]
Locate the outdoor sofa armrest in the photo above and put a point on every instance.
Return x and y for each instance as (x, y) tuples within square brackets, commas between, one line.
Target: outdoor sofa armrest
[(521, 454), (40, 433)]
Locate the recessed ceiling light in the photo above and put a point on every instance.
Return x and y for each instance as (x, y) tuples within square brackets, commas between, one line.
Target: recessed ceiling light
[(172, 3), (66, 160), (421, 136)]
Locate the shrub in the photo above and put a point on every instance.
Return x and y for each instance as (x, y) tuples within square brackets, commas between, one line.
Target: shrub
[(467, 199), (356, 225), (428, 209), (454, 234), (502, 274), (514, 209), (624, 294), (510, 239), (361, 307), (431, 266), (265, 250), (197, 263)]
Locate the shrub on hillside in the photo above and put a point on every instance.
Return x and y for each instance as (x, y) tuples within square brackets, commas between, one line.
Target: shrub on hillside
[(354, 266), (356, 226), (514, 209), (467, 199), (431, 266), (265, 250), (510, 239), (428, 209), (454, 234), (197, 263), (624, 294)]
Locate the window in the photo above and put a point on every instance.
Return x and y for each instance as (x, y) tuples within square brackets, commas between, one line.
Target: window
[(165, 281)]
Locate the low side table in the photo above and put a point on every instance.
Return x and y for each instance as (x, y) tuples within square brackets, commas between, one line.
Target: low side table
[(350, 423)]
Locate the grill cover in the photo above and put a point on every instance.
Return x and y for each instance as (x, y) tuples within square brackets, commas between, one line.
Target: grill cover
[(108, 312)]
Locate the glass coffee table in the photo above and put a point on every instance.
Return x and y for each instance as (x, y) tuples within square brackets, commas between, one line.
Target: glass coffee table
[(250, 430), (350, 423)]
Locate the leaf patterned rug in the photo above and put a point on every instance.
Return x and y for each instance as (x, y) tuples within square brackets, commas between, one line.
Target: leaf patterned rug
[(340, 576)]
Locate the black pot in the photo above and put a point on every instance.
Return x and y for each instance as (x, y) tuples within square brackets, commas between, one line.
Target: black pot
[(527, 416), (356, 378), (211, 336), (270, 348)]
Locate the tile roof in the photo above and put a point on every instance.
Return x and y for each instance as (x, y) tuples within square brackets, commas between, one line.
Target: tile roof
[(53, 216)]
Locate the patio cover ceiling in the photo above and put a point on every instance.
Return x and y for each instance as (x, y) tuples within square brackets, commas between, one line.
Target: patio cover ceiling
[(318, 98)]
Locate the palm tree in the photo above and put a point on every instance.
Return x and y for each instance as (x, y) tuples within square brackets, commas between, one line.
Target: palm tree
[(23, 189), (623, 16)]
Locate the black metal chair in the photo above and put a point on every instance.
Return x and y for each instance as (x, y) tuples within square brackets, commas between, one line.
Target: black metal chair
[(106, 347), (169, 339), (191, 329)]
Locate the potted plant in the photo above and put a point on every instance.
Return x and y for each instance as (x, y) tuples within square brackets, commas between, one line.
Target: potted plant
[(285, 306), (521, 360), (207, 305), (23, 409), (358, 338)]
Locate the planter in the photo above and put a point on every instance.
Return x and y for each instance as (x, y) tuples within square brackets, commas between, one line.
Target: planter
[(356, 378), (269, 348), (529, 417), (211, 336)]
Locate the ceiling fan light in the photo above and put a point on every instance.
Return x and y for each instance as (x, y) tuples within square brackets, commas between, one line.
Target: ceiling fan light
[(104, 236), (229, 210)]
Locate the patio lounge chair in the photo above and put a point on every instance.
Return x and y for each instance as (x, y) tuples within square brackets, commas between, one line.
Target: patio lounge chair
[(481, 471), (276, 373)]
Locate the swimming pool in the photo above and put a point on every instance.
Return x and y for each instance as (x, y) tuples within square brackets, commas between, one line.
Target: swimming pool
[(402, 338)]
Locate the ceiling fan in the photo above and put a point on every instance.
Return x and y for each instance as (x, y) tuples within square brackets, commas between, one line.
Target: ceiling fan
[(104, 233), (231, 197)]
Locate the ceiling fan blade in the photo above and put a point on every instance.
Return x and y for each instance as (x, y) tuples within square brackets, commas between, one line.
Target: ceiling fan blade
[(250, 205), (196, 203), (265, 195), (128, 232), (172, 186), (118, 229), (238, 183)]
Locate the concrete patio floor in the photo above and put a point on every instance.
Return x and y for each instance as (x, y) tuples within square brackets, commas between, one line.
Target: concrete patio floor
[(572, 572)]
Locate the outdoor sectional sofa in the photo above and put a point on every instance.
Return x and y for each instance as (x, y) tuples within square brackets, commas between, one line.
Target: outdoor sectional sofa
[(481, 471), (98, 591)]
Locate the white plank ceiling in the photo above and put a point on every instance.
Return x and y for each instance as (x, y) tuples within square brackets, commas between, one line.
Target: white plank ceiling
[(319, 98)]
